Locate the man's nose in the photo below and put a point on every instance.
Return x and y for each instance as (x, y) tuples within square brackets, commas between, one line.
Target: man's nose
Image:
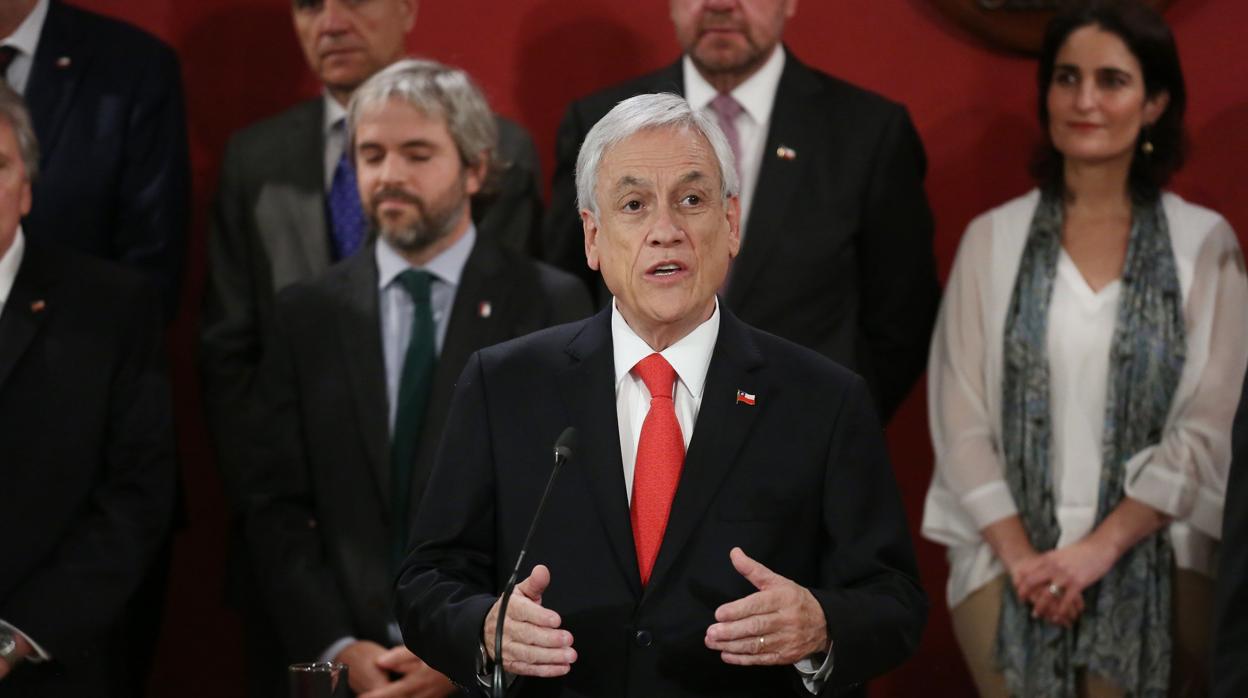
[(667, 229), (334, 17), (390, 169)]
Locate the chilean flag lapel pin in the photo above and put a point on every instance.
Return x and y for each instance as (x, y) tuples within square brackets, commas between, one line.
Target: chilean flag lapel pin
[(38, 306), (484, 309), (744, 397)]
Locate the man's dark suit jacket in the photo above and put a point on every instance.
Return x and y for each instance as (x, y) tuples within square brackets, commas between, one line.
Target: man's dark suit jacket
[(269, 229), (837, 254), (319, 522), (1230, 645), (87, 460), (800, 480), (106, 102)]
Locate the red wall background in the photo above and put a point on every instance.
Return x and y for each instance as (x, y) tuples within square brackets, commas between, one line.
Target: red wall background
[(972, 105)]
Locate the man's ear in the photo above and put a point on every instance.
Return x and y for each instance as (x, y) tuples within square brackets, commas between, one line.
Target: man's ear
[(474, 175), (589, 222)]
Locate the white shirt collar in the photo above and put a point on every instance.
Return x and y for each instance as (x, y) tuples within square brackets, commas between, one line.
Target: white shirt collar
[(335, 114), (26, 37), (690, 356), (9, 264), (447, 267), (757, 95)]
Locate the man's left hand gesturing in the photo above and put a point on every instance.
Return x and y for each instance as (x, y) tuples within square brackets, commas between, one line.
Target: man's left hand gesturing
[(781, 623)]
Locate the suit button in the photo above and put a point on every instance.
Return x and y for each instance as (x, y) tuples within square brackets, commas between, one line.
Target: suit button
[(643, 638)]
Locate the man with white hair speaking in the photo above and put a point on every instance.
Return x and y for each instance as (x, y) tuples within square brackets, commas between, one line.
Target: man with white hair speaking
[(836, 232), (729, 525)]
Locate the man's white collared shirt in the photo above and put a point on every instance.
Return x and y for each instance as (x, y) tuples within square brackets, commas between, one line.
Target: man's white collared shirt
[(26, 40), (334, 130), (690, 357), (10, 262)]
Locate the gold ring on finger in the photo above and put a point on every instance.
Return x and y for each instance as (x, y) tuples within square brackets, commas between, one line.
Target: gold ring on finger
[(1056, 590), (762, 644)]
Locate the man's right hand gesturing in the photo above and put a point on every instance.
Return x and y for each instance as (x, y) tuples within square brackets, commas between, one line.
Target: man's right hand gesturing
[(533, 642)]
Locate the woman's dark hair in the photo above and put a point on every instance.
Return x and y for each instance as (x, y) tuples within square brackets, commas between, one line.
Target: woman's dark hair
[(1149, 39)]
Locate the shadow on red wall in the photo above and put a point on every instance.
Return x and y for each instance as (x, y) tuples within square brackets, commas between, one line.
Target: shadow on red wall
[(584, 49)]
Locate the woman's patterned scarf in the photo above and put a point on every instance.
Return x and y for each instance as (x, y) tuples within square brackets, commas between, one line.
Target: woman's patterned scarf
[(1124, 632)]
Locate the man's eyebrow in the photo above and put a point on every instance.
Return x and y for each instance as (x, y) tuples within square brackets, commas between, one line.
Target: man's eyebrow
[(692, 176), (628, 181)]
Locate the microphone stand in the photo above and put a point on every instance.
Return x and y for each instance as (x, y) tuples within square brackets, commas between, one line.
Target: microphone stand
[(563, 453)]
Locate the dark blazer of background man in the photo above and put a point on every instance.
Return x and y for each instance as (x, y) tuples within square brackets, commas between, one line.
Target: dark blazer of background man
[(323, 451), (86, 452), (837, 247), (323, 393), (786, 461), (1230, 644), (106, 101)]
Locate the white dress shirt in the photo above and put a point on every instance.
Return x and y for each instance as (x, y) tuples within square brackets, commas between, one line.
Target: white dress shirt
[(26, 40), (9, 264), (334, 128), (1182, 475), (691, 358), (395, 303), (757, 96)]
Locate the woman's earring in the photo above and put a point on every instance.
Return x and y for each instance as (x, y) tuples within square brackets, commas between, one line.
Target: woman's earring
[(1146, 146)]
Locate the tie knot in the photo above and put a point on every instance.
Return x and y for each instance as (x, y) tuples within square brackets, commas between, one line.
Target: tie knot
[(726, 107), (417, 282), (657, 374)]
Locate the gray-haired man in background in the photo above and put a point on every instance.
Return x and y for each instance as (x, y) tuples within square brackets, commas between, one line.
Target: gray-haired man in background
[(355, 383)]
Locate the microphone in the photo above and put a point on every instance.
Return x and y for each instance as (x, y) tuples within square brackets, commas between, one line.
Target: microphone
[(565, 446)]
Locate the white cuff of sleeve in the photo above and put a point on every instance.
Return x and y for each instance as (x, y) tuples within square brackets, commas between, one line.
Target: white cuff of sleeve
[(40, 654), (989, 503), (814, 678), (1162, 488), (332, 652), (1206, 516)]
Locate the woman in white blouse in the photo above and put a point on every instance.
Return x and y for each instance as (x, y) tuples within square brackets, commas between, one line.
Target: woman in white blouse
[(1082, 381)]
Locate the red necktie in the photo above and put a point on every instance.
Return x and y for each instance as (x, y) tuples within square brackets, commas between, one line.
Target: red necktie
[(660, 455)]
